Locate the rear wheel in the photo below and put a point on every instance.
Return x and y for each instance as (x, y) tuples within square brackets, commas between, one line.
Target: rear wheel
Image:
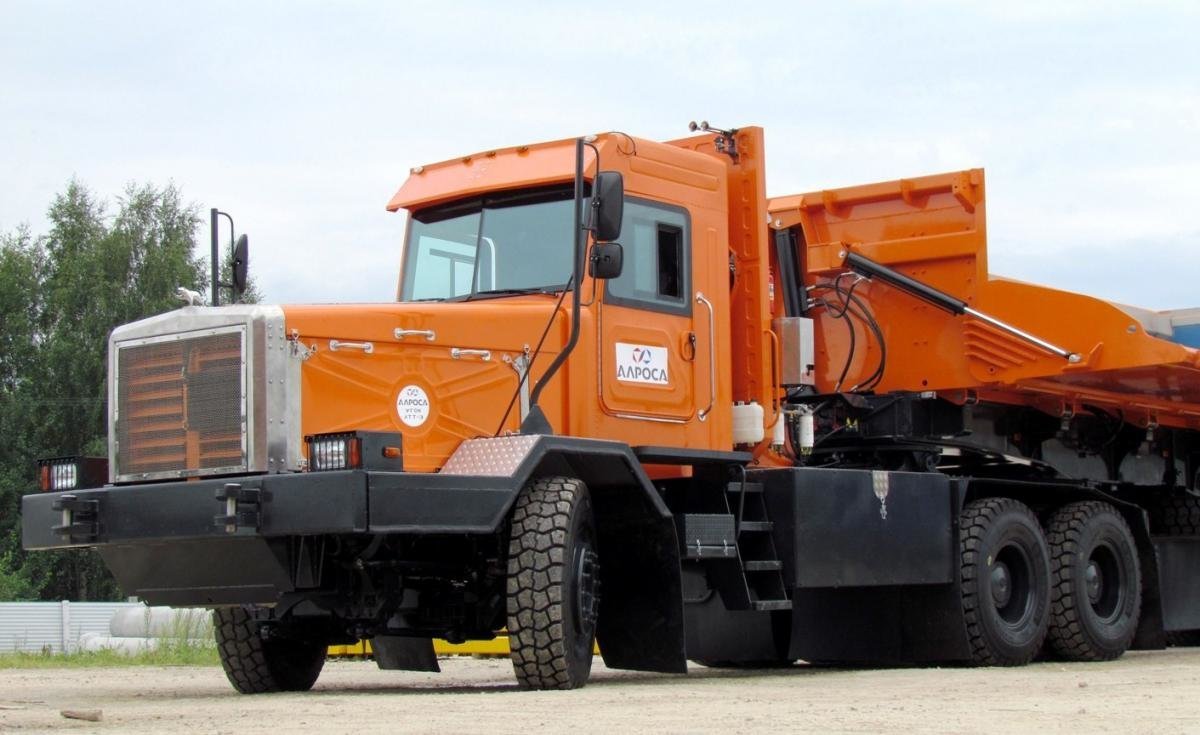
[(1176, 514), (1005, 576), (1096, 582), (255, 665), (553, 584)]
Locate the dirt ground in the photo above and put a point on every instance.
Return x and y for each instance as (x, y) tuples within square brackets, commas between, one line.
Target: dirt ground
[(1156, 691)]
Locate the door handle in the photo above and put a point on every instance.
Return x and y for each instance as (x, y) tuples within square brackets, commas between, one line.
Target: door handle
[(712, 361)]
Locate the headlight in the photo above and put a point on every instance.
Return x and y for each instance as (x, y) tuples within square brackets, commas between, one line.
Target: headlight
[(70, 473), (351, 450), (333, 452)]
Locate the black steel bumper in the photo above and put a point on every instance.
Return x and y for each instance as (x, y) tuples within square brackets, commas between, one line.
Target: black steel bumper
[(264, 506)]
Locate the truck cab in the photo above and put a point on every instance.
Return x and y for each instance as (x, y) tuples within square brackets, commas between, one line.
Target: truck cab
[(487, 255)]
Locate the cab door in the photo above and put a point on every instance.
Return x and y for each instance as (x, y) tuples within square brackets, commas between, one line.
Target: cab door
[(647, 335)]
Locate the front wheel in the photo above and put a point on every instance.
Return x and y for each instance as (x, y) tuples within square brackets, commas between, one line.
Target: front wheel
[(1096, 582), (553, 584), (255, 665), (1005, 581)]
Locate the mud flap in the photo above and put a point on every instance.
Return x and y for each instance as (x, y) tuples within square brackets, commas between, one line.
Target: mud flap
[(641, 608), (394, 652)]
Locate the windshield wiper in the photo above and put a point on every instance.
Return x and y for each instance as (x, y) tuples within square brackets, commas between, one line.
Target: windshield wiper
[(492, 293)]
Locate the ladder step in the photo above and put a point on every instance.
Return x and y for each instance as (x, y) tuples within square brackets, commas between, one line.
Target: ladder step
[(768, 605), (764, 565), (751, 487), (757, 526)]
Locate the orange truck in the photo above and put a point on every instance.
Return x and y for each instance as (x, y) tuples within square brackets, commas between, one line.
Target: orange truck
[(624, 397)]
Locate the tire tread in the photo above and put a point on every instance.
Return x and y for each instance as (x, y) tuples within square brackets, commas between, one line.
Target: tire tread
[(255, 667), (976, 518), (1064, 534), (537, 560)]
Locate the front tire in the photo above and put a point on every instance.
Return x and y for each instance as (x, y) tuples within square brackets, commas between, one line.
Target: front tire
[(553, 584), (1096, 582), (257, 666), (1005, 581)]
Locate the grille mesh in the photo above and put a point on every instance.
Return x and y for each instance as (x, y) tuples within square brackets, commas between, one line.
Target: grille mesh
[(179, 406)]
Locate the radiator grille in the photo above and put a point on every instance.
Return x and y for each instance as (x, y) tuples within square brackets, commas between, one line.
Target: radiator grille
[(180, 405)]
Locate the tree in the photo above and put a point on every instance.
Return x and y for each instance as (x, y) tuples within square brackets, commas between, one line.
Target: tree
[(61, 296), (21, 268)]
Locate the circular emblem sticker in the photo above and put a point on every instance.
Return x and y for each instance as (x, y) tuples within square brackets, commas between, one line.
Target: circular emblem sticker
[(412, 405)]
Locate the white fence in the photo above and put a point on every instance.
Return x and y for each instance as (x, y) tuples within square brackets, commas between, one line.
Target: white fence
[(35, 627)]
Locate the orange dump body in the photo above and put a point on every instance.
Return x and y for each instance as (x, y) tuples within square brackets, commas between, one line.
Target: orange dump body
[(933, 229)]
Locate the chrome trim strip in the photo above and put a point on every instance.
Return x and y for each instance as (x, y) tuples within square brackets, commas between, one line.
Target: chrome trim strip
[(655, 419)]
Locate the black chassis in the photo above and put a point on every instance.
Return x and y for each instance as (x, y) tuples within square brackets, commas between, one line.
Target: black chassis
[(363, 553)]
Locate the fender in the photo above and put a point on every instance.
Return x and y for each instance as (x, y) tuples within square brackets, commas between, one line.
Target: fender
[(641, 614)]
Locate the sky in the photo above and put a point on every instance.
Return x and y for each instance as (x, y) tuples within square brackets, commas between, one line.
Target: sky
[(301, 119)]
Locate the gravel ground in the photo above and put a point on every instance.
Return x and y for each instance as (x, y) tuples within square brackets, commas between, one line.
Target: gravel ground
[(1155, 691)]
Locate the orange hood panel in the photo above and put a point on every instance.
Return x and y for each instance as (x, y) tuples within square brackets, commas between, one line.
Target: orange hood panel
[(450, 377)]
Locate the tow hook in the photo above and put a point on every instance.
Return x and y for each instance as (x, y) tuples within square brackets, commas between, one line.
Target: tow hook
[(243, 507), (80, 518)]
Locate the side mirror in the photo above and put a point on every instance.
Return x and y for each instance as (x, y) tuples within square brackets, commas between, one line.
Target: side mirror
[(607, 260), (241, 262), (608, 206)]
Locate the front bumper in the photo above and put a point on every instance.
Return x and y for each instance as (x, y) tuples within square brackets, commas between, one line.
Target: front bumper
[(244, 540), (305, 504)]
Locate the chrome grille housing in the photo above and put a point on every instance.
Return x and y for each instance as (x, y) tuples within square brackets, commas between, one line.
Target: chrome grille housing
[(203, 391)]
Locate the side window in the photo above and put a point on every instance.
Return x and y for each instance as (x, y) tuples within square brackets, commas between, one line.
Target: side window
[(657, 243)]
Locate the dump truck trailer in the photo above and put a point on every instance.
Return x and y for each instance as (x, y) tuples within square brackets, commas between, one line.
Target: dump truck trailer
[(624, 397)]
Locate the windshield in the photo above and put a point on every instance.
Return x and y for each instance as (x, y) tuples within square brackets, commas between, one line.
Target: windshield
[(504, 243)]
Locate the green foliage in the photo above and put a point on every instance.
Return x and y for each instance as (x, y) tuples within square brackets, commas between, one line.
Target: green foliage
[(60, 296), (13, 584), (189, 656)]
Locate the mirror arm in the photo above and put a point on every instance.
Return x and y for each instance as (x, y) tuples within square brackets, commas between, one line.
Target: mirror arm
[(216, 262), (541, 425)]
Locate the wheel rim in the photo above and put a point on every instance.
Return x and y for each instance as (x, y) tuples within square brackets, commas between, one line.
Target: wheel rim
[(1001, 584), (1104, 582), (586, 600), (1010, 579), (586, 591)]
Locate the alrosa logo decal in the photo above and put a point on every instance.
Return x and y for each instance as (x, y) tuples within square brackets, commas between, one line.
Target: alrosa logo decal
[(412, 405), (642, 364)]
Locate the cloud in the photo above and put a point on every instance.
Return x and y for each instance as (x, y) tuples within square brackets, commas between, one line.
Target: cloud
[(303, 118)]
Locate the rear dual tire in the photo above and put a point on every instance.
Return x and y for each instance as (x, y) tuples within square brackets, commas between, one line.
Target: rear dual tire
[(1096, 582), (1005, 581), (1077, 587)]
